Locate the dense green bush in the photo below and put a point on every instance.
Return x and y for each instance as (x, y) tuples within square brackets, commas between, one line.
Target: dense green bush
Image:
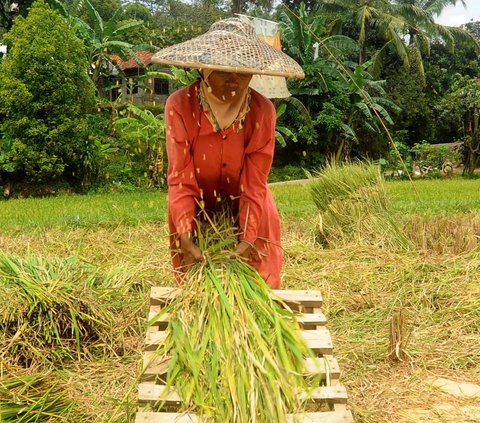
[(45, 93)]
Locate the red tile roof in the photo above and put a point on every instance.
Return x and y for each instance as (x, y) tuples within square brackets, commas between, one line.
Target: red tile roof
[(145, 56)]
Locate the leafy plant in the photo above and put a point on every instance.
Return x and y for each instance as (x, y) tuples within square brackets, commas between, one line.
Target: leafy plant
[(101, 39), (45, 92), (147, 131)]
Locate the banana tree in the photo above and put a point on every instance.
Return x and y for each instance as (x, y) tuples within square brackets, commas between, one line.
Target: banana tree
[(147, 132), (366, 95), (322, 73), (282, 131), (101, 39)]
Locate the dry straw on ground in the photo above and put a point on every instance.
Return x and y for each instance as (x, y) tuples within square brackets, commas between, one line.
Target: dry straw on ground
[(362, 287)]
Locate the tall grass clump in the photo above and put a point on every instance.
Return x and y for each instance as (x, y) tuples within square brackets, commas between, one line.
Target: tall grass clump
[(33, 398), (53, 310), (235, 353), (354, 207)]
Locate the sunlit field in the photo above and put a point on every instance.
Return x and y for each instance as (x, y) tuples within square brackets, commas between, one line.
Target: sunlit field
[(98, 256)]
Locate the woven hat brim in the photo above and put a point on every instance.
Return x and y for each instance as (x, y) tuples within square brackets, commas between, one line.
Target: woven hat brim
[(230, 52), (239, 69)]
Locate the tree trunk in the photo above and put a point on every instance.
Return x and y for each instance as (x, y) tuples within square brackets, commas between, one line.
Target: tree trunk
[(236, 6), (474, 147), (339, 151), (363, 52), (363, 47)]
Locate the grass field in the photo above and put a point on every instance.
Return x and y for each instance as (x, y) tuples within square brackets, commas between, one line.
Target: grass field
[(121, 243)]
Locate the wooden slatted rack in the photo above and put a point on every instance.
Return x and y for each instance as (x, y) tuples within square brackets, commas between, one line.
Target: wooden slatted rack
[(332, 397)]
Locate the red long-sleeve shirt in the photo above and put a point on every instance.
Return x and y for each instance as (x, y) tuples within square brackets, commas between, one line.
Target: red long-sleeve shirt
[(204, 165)]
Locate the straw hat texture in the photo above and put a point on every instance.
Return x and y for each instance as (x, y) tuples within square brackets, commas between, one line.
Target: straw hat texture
[(230, 45)]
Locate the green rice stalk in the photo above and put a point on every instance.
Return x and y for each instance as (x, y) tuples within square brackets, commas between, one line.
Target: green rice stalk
[(32, 398), (54, 310), (354, 207), (236, 353)]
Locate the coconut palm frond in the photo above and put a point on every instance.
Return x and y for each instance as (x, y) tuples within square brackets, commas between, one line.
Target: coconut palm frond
[(342, 43), (436, 7), (453, 35), (378, 59), (363, 15)]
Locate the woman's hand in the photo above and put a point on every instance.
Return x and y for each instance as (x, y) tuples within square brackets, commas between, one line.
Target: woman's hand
[(191, 253), (244, 249)]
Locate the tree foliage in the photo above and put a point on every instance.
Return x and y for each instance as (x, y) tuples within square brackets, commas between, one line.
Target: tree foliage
[(45, 94), (461, 107)]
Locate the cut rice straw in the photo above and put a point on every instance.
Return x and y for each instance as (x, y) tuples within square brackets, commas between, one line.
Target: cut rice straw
[(236, 354)]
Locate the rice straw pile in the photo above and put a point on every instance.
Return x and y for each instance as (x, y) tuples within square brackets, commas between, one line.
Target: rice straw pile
[(32, 398), (354, 207), (236, 353), (55, 312)]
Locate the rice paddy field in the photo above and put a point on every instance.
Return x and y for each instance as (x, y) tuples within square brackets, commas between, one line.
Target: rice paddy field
[(76, 271)]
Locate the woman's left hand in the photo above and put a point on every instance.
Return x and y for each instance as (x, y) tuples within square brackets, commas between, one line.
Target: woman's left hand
[(243, 250)]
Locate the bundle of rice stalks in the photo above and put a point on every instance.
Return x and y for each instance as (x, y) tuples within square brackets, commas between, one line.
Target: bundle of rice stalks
[(33, 398), (354, 207), (52, 311), (236, 354)]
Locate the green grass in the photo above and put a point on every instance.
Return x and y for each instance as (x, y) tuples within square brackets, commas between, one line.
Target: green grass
[(130, 208), (88, 210), (439, 196), (293, 200)]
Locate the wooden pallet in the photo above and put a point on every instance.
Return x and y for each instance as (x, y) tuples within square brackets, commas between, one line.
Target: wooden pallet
[(332, 396)]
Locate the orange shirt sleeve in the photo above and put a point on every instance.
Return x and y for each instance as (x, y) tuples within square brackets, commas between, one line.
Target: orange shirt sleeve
[(253, 180), (183, 187)]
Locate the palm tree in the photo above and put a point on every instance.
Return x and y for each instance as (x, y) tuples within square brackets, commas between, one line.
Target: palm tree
[(407, 26)]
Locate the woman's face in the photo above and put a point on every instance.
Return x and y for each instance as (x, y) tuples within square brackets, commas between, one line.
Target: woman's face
[(226, 85)]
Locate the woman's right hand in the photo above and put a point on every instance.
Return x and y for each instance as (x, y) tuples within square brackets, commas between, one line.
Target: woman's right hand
[(191, 253)]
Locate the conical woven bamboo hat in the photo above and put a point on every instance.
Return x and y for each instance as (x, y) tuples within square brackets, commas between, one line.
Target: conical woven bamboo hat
[(230, 45)]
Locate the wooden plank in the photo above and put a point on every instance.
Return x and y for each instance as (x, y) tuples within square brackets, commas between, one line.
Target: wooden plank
[(150, 417), (319, 341), (326, 417), (309, 321), (162, 322), (154, 393), (312, 321), (307, 298), (327, 366), (163, 295), (330, 394)]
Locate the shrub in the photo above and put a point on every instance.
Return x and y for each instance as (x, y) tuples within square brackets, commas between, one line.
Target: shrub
[(45, 92)]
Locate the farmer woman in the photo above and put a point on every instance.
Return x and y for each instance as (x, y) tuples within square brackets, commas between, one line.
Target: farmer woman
[(220, 143)]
